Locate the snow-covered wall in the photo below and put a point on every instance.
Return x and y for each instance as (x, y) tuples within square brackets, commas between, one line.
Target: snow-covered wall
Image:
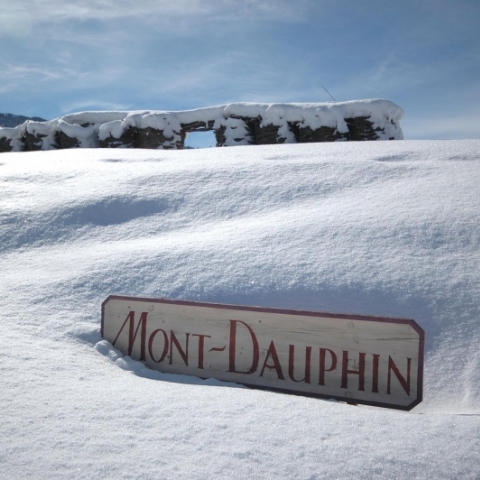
[(233, 124)]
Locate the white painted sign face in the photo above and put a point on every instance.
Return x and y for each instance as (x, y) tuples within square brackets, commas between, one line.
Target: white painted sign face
[(367, 360)]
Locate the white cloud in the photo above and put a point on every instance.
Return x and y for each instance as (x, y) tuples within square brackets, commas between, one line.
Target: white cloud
[(391, 75), (88, 105), (28, 12), (55, 76), (35, 73), (222, 78), (15, 19)]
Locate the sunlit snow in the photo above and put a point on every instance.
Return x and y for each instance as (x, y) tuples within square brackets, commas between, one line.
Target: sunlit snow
[(373, 228)]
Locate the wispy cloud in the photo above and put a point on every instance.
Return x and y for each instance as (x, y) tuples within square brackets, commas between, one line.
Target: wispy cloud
[(220, 77), (15, 19), (390, 75), (28, 12), (34, 73), (93, 104)]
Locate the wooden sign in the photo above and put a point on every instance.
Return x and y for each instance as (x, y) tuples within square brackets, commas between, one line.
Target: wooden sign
[(365, 360)]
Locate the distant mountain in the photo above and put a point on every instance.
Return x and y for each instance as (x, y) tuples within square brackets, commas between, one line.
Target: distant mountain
[(11, 120)]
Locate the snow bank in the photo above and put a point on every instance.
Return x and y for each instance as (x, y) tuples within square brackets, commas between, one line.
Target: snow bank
[(234, 124), (374, 228)]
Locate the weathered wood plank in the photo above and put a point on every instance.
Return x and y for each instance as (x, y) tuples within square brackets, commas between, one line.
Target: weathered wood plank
[(369, 360)]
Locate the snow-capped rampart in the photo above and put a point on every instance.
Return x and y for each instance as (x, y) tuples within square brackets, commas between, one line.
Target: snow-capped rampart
[(233, 124)]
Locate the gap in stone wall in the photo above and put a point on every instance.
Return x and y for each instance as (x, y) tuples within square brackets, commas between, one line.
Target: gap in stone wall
[(200, 139)]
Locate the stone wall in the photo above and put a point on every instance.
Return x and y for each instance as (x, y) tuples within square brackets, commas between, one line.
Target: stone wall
[(234, 124)]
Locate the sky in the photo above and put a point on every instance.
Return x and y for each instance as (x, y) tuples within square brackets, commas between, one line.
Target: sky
[(60, 57)]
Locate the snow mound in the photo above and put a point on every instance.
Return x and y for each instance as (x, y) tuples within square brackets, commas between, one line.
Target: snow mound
[(375, 228)]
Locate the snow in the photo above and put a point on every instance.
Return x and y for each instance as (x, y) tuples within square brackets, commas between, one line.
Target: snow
[(89, 127), (372, 228)]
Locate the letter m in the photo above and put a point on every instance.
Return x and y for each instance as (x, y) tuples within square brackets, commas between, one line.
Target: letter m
[(132, 332)]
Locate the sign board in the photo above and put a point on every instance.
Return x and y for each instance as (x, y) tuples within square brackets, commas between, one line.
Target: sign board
[(365, 360)]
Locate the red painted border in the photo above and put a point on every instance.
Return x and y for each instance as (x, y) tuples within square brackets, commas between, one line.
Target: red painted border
[(305, 313)]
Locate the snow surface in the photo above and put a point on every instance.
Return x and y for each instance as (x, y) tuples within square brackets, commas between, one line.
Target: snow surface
[(89, 127), (383, 228)]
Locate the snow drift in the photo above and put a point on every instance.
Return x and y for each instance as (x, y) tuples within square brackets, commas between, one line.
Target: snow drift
[(377, 228)]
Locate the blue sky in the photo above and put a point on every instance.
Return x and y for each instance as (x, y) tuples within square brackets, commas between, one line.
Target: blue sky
[(59, 57)]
